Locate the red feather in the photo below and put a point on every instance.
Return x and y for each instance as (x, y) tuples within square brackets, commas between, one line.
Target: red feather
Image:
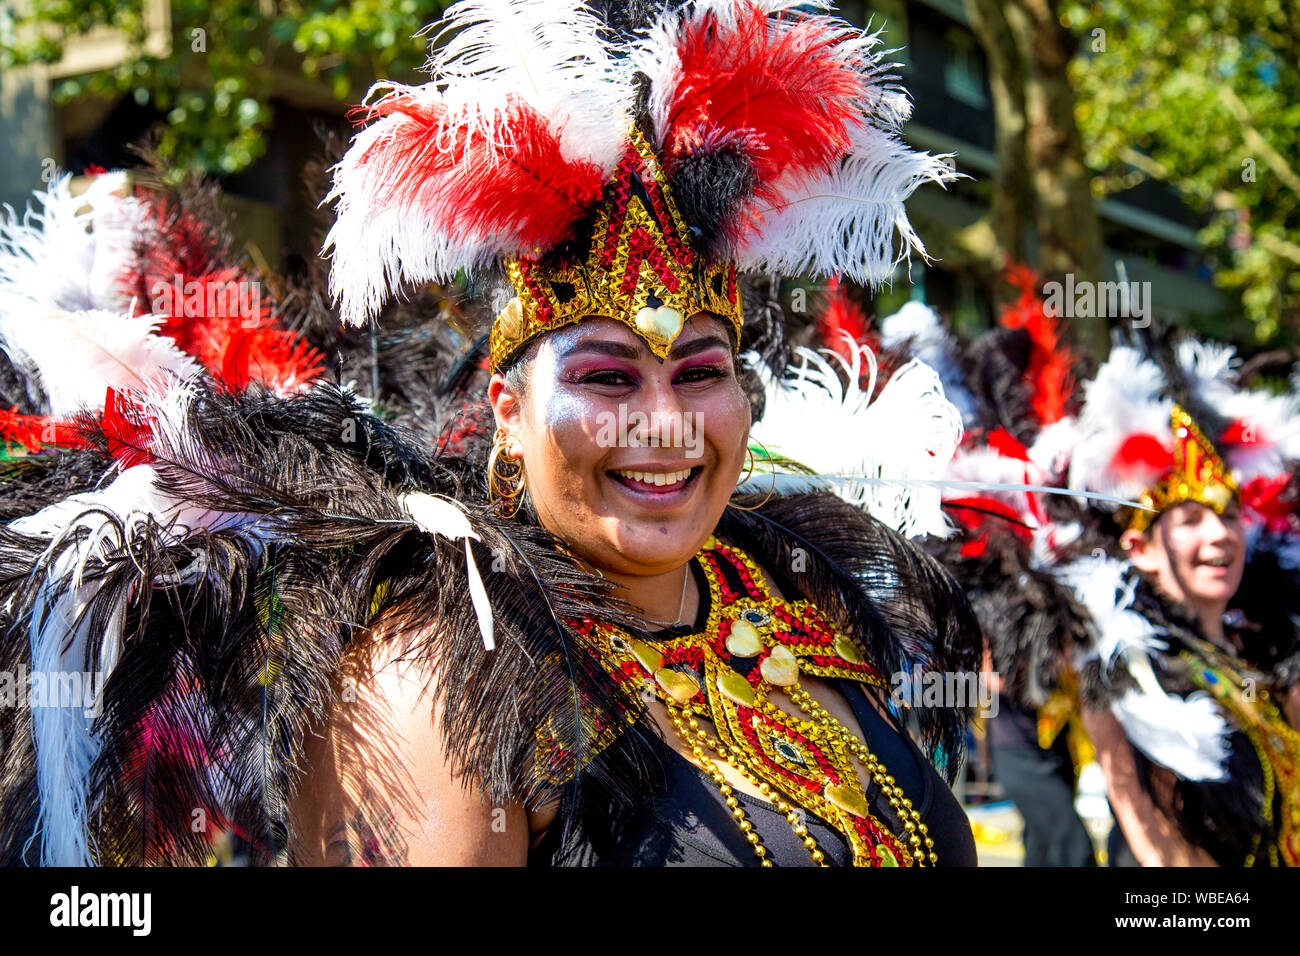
[(1271, 500), (841, 316), (1240, 432), (1142, 450), (748, 88), (35, 432), (978, 511), (213, 311), (224, 322), (179, 243), (468, 185), (1050, 364), (1006, 445), (21, 429), (127, 429)]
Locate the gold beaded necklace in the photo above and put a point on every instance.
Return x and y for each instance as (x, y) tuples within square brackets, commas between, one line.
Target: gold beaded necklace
[(753, 645), (1276, 743)]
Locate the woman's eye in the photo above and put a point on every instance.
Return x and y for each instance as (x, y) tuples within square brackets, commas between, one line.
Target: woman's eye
[(701, 373), (606, 377)]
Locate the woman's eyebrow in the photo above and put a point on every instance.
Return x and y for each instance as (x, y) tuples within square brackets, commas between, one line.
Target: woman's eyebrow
[(634, 352), (603, 347), (695, 346)]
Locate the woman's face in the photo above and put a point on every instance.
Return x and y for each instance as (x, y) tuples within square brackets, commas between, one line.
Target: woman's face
[(1196, 555), (629, 460)]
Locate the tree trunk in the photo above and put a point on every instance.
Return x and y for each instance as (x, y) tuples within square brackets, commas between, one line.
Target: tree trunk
[(1065, 214), (1012, 201)]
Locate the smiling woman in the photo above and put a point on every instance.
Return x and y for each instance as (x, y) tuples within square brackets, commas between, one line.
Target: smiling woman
[(579, 636), (1190, 692), (753, 642), (640, 506)]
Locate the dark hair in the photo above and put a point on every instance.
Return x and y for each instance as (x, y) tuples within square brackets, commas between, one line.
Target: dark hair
[(519, 369)]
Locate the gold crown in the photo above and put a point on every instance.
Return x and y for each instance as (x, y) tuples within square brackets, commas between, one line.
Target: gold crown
[(640, 269), (1199, 474)]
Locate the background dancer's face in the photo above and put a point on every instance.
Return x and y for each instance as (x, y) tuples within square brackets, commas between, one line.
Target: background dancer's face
[(1196, 555), (629, 460)]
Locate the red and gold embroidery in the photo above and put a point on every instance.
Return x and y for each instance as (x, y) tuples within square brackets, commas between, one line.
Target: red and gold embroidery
[(1276, 743), (735, 674), (638, 268)]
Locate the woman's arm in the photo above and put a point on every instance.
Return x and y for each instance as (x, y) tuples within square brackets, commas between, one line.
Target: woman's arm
[(1151, 835), (378, 791)]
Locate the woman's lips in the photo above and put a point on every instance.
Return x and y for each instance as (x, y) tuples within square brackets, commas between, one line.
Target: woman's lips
[(659, 484)]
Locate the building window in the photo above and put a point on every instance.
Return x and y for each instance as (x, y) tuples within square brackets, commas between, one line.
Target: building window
[(963, 68)]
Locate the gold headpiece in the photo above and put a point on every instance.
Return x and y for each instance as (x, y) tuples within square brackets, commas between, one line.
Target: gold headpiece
[(639, 268), (1198, 474)]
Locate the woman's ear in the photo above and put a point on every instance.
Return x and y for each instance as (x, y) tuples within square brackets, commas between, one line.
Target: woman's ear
[(1141, 551), (507, 404)]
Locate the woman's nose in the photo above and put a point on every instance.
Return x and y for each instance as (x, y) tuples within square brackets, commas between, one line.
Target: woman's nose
[(664, 412), (1218, 528)]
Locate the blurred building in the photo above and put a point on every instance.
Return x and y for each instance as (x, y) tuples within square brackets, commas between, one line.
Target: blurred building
[(943, 65), (1147, 232)]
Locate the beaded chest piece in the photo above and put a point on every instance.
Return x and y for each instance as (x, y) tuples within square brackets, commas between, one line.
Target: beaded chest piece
[(1276, 743), (736, 675)]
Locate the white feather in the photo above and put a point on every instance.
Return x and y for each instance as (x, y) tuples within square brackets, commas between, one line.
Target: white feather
[(917, 329), (1209, 365), (376, 252), (1126, 397), (1053, 446), (547, 53), (444, 517), (1102, 588), (81, 354), (1270, 423), (68, 252), (1187, 735), (843, 222), (64, 737), (909, 432)]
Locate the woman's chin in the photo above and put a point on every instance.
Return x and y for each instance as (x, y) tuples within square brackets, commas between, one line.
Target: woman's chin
[(654, 547), (1214, 587)]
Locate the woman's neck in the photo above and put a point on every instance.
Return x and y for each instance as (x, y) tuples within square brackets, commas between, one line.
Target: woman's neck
[(1210, 618), (662, 599), (1213, 628)]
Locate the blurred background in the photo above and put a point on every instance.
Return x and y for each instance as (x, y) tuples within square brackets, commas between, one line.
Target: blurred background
[(1150, 140)]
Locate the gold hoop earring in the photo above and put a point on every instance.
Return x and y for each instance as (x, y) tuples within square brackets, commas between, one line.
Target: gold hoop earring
[(750, 474), (505, 491)]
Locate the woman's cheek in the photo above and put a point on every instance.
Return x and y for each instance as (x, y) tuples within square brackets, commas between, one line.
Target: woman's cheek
[(567, 423), (731, 431)]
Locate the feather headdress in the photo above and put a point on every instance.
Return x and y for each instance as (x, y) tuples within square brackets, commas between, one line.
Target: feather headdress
[(1138, 437), (626, 166)]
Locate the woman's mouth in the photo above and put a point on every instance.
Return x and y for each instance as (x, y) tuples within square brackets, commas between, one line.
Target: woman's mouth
[(658, 484)]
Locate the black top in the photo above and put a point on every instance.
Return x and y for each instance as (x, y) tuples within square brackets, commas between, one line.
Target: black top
[(689, 824)]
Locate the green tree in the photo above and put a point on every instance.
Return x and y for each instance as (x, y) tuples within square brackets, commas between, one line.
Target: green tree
[(1206, 98), (227, 61)]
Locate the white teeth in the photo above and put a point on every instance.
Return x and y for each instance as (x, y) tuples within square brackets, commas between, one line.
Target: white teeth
[(656, 478)]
